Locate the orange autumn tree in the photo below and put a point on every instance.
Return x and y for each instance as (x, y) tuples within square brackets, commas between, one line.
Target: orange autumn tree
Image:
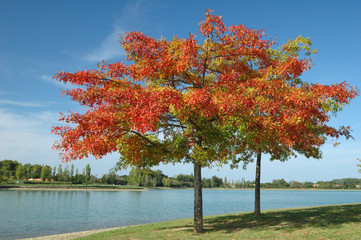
[(304, 117), (190, 101)]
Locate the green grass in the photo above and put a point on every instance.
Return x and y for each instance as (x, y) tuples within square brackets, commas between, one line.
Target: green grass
[(328, 222)]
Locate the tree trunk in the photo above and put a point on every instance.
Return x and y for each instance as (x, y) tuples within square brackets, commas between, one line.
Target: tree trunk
[(257, 200), (198, 208)]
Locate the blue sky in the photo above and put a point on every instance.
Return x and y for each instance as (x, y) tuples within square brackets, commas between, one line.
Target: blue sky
[(39, 38)]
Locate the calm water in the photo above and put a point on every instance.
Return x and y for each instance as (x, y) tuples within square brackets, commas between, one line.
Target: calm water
[(38, 213)]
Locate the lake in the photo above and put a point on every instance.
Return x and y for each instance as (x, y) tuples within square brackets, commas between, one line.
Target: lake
[(39, 213)]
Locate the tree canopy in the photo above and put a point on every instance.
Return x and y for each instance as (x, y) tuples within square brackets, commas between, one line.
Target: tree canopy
[(183, 99), (206, 100)]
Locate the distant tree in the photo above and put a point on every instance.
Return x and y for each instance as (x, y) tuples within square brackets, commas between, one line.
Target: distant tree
[(216, 182), (295, 184), (20, 172), (160, 176), (280, 183), (43, 173), (112, 178), (167, 182), (104, 179), (308, 184), (134, 177), (36, 171), (54, 174), (8, 168), (46, 173), (206, 182), (184, 180), (79, 178), (27, 170), (87, 173), (72, 172), (66, 173), (60, 173), (122, 180), (225, 183)]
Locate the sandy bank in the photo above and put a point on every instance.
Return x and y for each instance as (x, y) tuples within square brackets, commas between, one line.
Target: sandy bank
[(66, 236)]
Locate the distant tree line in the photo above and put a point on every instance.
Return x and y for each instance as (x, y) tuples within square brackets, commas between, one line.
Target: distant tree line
[(13, 170)]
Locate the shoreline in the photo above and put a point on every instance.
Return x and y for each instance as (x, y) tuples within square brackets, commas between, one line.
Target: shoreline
[(72, 235), (100, 189)]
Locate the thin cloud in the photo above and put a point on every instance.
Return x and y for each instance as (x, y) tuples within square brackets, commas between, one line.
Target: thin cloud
[(53, 81), (26, 137), (20, 104), (109, 48), (131, 16)]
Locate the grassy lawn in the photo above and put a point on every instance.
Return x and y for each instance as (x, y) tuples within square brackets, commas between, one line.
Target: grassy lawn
[(329, 222)]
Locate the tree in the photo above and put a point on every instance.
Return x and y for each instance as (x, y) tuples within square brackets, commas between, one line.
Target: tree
[(160, 176), (36, 171), (66, 173), (54, 174), (8, 168), (45, 173), (299, 112), (216, 182), (27, 170), (20, 172), (183, 100), (87, 173), (359, 165), (225, 183), (60, 173), (72, 172)]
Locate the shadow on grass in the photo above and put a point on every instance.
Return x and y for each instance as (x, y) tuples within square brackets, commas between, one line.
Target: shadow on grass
[(289, 220), (320, 217)]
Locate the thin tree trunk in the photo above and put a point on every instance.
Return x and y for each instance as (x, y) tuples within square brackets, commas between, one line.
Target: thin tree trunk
[(257, 200), (198, 209)]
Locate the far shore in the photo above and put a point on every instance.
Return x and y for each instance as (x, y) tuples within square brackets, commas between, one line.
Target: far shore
[(115, 188), (72, 189), (40, 187), (75, 189)]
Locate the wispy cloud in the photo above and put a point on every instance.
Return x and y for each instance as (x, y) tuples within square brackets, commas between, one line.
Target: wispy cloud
[(26, 137), (110, 48), (20, 104), (53, 81)]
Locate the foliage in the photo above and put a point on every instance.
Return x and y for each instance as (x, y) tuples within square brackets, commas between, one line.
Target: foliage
[(206, 101)]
